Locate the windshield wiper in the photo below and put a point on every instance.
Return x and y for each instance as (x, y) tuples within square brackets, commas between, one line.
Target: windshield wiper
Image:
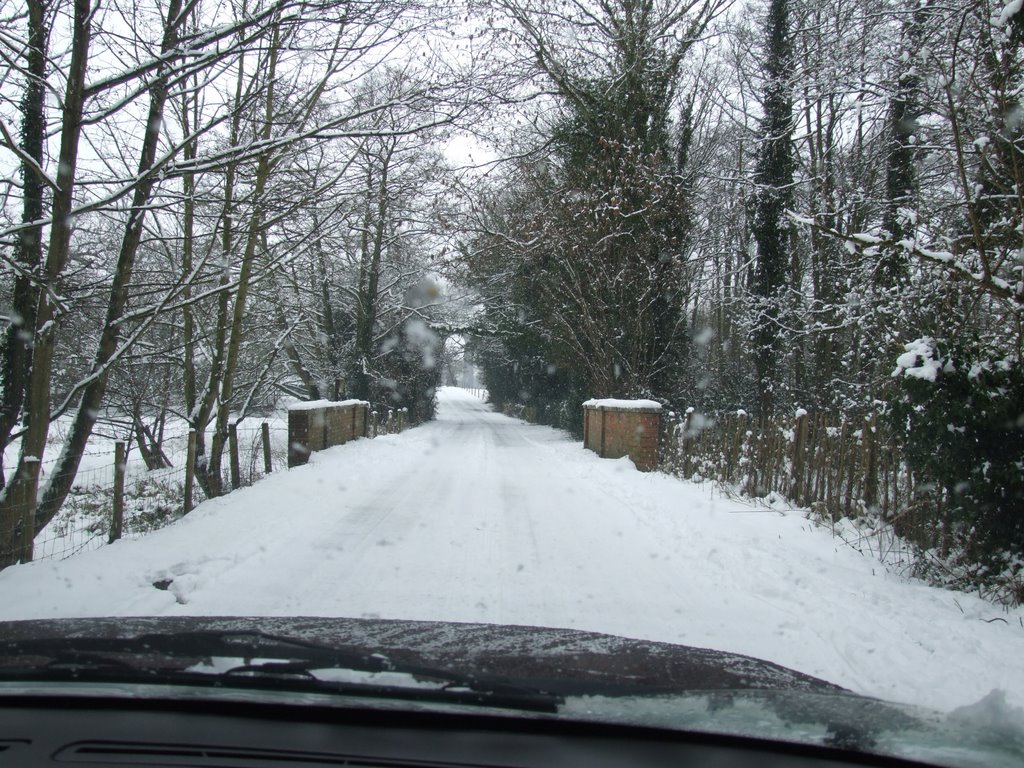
[(290, 664)]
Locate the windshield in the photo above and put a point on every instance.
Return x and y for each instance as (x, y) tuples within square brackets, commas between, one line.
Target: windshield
[(690, 322)]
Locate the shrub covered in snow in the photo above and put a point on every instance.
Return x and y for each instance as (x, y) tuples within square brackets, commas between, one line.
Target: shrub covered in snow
[(960, 416)]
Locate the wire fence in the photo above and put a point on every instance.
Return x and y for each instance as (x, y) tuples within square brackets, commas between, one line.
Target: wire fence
[(260, 450), (106, 502), (840, 466), (850, 472), (387, 421), (79, 526), (843, 464), (109, 500)]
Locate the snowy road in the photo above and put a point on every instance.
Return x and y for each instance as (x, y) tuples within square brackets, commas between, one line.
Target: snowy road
[(478, 517)]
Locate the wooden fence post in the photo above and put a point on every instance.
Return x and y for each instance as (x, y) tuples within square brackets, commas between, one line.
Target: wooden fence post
[(265, 431), (683, 440), (604, 431), (848, 467), (757, 455), (236, 472), (190, 471), (799, 448), (117, 521), (736, 450), (869, 489)]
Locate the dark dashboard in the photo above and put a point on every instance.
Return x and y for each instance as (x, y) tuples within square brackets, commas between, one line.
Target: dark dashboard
[(41, 731)]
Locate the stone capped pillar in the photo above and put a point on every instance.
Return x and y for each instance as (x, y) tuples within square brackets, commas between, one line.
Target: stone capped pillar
[(616, 428), (321, 424)]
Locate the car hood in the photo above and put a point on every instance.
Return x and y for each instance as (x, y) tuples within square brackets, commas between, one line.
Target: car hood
[(599, 677), (569, 660)]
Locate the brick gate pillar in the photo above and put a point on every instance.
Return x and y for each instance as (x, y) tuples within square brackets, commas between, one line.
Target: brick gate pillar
[(616, 428)]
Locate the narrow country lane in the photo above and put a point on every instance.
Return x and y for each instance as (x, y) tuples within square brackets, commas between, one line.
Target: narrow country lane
[(482, 520), (479, 517)]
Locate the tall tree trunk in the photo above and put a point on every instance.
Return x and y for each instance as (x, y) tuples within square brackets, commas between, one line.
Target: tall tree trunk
[(64, 473), (329, 327), (202, 412), (900, 175), (774, 178), (369, 274), (189, 122), (16, 360), (17, 506), (213, 480), (309, 382)]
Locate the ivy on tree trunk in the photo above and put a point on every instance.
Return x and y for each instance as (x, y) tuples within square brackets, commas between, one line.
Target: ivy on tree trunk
[(774, 179)]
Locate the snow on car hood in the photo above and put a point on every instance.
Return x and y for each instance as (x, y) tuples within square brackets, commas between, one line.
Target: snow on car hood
[(572, 659), (596, 677)]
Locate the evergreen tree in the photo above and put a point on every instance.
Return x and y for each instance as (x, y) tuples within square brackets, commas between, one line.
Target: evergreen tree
[(774, 179)]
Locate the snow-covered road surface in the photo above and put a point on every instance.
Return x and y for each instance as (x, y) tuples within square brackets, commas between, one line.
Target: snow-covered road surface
[(478, 517)]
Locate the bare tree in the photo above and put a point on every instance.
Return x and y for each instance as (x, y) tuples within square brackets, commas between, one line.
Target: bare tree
[(17, 506)]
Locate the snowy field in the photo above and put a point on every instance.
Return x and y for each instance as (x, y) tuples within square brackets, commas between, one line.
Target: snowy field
[(479, 517)]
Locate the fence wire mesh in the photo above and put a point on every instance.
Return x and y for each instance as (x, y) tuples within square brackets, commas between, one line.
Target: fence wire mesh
[(153, 495), (840, 467)]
